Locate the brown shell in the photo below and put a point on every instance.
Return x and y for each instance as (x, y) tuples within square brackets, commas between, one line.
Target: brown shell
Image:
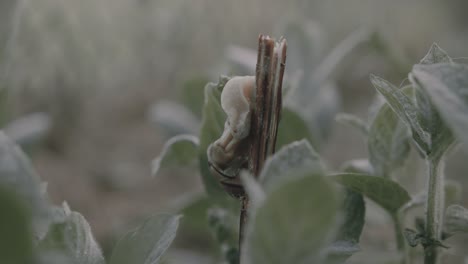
[(232, 185)]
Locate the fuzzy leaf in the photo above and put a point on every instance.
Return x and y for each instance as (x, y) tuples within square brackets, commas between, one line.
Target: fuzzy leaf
[(221, 223), (340, 251), (291, 128), (15, 229), (453, 192), (253, 189), (298, 155), (388, 142), (192, 94), (346, 241), (456, 219), (447, 84), (441, 137), (354, 122), (29, 129), (361, 166), (387, 193), (147, 243), (180, 150), (173, 118), (406, 109), (436, 55), (18, 175), (194, 223), (293, 223), (412, 237), (212, 128), (72, 236)]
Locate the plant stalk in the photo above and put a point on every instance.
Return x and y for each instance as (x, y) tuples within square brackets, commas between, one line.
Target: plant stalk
[(271, 62), (434, 209), (400, 239), (243, 220)]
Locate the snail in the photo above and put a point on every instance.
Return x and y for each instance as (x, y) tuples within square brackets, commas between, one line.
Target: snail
[(227, 155)]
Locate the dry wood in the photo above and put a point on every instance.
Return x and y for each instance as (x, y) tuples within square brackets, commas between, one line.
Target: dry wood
[(271, 62)]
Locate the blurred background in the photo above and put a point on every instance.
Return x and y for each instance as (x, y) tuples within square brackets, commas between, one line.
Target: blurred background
[(88, 86)]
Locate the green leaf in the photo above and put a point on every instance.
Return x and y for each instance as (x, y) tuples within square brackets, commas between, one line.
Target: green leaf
[(413, 237), (293, 224), (354, 211), (72, 236), (291, 128), (336, 56), (453, 192), (354, 122), (54, 258), (388, 142), (317, 108), (361, 166), (18, 175), (180, 150), (173, 118), (447, 85), (195, 225), (29, 129), (436, 55), (15, 229), (211, 129), (253, 189), (456, 219), (296, 156), (192, 94), (386, 193), (406, 110), (441, 137), (346, 241), (147, 243), (221, 222), (340, 251)]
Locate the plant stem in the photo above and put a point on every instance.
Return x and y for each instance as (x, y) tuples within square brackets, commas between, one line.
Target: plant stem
[(434, 209), (271, 62), (400, 239), (242, 220)]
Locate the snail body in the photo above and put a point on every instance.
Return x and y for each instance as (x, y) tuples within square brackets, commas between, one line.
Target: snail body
[(227, 155)]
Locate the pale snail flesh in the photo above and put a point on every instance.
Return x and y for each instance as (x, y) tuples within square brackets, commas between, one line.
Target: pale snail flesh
[(226, 155)]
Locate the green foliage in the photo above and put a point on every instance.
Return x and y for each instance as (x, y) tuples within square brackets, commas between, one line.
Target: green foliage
[(447, 84), (354, 122), (192, 94), (15, 229), (211, 129), (292, 225), (429, 131), (295, 156), (346, 241), (71, 235), (147, 243), (292, 127), (361, 166), (179, 150), (388, 142), (387, 193), (221, 222), (17, 173), (33, 231), (456, 219), (406, 110), (296, 213)]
